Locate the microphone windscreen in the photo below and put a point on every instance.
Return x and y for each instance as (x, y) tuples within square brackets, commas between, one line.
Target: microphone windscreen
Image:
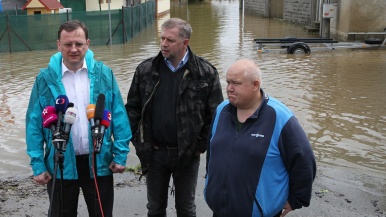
[(48, 110), (61, 103), (70, 115), (49, 120), (100, 107), (106, 118), (90, 111)]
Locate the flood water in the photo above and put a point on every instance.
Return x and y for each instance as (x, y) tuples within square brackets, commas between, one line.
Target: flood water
[(338, 96)]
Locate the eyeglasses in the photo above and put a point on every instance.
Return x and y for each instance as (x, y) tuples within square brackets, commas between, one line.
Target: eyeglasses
[(70, 44)]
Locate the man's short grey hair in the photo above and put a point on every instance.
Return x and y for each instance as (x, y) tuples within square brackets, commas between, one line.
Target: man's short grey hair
[(252, 71), (182, 25)]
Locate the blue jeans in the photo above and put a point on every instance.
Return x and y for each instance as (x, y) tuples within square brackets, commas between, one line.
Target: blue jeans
[(164, 165)]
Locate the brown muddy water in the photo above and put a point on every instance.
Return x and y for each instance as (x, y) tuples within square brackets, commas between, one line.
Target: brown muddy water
[(338, 96)]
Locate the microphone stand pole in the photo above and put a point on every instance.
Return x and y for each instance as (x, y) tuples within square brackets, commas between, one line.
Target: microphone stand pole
[(97, 140), (59, 159)]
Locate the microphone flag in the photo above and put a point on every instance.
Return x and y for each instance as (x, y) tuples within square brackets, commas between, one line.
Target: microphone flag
[(49, 118), (61, 105)]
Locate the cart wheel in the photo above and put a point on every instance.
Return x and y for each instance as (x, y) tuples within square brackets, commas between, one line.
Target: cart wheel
[(297, 48)]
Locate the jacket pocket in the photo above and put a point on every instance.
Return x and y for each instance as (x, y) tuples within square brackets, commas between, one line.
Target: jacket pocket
[(197, 85), (196, 95)]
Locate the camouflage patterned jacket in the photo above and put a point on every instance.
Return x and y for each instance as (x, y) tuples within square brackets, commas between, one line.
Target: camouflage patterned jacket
[(200, 93)]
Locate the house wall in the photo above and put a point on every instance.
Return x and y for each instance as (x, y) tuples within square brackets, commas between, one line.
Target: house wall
[(37, 6), (256, 6), (276, 8), (359, 16), (163, 7), (351, 15), (31, 11), (114, 4), (297, 11)]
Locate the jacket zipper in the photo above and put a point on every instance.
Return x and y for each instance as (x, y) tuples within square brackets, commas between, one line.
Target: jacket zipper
[(140, 128)]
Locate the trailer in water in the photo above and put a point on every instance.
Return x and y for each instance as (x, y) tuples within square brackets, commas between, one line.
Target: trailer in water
[(301, 45)]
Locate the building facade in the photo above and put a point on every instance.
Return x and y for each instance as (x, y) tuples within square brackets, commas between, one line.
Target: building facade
[(350, 16)]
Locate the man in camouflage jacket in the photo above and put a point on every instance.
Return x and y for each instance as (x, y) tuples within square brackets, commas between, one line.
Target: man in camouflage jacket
[(172, 120)]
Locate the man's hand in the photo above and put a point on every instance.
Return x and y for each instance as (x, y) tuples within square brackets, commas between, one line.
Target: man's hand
[(117, 168), (43, 178), (286, 209)]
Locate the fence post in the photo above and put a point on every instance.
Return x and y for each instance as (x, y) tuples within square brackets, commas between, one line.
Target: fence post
[(124, 39), (9, 35), (132, 21)]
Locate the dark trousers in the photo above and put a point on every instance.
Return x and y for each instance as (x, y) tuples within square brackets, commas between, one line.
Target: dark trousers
[(163, 166), (71, 190)]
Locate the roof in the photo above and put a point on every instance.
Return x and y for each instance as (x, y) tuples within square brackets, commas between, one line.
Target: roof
[(48, 4)]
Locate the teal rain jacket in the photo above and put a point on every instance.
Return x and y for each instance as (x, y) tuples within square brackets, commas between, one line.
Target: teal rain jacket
[(47, 87)]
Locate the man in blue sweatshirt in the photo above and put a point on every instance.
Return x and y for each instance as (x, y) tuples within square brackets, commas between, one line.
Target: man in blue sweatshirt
[(259, 159)]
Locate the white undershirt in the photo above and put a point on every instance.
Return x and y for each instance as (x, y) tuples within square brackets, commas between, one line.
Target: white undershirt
[(77, 85)]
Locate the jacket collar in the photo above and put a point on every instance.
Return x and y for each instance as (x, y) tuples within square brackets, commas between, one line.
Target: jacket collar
[(53, 76), (264, 101), (191, 65)]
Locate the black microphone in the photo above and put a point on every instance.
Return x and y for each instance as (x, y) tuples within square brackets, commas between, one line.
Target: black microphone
[(98, 117), (99, 108)]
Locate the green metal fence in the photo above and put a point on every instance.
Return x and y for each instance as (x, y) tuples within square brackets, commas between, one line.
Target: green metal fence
[(39, 32)]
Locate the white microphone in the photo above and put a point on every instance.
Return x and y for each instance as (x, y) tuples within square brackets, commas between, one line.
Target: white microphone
[(69, 119)]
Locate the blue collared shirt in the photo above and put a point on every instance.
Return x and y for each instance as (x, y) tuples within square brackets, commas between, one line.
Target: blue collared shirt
[(182, 62)]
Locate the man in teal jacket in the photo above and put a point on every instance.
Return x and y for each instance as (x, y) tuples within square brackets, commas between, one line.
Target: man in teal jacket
[(74, 72)]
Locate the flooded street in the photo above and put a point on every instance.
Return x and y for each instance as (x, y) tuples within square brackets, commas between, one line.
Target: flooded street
[(338, 96)]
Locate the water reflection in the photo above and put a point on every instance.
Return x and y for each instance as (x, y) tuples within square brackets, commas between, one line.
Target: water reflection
[(338, 96)]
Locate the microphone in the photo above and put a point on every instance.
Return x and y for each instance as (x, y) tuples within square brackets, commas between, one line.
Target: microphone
[(90, 114), (105, 121), (49, 118), (69, 120), (99, 108), (61, 105), (49, 122), (48, 110)]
